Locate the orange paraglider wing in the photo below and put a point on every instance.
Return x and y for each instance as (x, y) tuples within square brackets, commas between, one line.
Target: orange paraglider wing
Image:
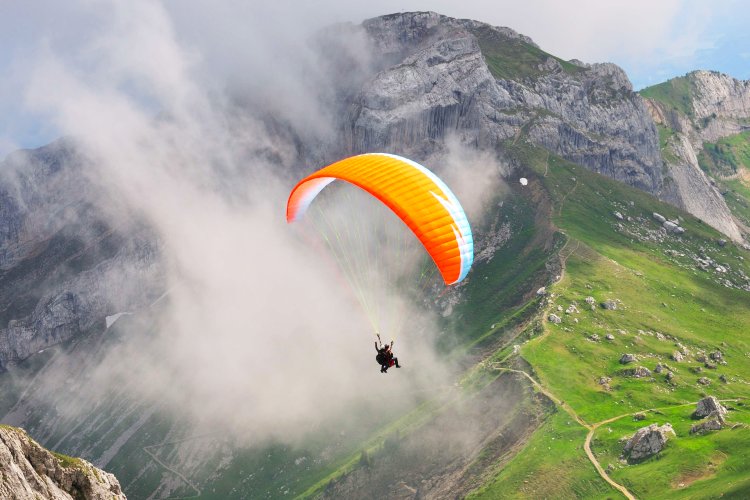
[(423, 201)]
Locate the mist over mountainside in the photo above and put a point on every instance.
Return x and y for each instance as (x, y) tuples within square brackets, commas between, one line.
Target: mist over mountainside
[(147, 329)]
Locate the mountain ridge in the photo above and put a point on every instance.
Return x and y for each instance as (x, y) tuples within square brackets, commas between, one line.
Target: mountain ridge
[(464, 78)]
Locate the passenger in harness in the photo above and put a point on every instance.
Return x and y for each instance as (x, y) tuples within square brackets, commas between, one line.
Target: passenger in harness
[(385, 356)]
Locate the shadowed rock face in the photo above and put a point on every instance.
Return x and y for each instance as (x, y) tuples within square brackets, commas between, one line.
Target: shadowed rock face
[(28, 471)]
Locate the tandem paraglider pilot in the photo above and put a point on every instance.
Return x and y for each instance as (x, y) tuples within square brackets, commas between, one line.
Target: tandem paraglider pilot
[(385, 356)]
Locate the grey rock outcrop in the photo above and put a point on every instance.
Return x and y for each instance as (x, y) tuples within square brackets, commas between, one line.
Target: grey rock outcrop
[(627, 358), (65, 266), (714, 422), (439, 82), (637, 372), (28, 471), (610, 305), (647, 441), (708, 405), (554, 318), (722, 100)]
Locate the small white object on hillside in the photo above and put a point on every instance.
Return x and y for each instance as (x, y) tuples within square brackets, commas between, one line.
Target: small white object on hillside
[(524, 181), (111, 319)]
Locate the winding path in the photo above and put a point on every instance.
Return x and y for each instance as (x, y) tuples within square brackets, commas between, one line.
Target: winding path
[(587, 448), (177, 473), (592, 427)]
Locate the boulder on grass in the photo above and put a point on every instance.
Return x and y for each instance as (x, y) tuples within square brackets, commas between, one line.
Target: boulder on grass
[(647, 442)]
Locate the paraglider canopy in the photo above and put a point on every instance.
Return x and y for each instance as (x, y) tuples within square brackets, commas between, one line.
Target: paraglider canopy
[(417, 196)]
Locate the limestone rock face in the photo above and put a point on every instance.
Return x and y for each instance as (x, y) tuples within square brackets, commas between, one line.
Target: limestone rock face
[(28, 471), (437, 82), (439, 76), (647, 441), (692, 190), (721, 96)]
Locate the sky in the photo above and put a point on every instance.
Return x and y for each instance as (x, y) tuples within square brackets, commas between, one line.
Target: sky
[(652, 40)]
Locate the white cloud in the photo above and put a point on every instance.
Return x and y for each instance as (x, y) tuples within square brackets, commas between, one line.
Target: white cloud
[(252, 311)]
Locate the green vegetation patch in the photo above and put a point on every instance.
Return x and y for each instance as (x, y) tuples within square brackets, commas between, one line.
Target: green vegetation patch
[(737, 195), (514, 59), (726, 156), (495, 296), (69, 462), (728, 162), (665, 136), (551, 465), (676, 93)]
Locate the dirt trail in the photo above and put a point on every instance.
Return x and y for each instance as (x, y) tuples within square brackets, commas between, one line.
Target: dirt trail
[(587, 443), (592, 427), (177, 473), (587, 448)]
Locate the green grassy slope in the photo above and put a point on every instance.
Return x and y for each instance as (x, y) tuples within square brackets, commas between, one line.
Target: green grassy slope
[(663, 299), (551, 465), (514, 59), (727, 155), (676, 93)]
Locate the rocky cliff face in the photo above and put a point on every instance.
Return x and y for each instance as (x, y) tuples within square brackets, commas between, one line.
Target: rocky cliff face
[(28, 471), (492, 87), (701, 107), (64, 263)]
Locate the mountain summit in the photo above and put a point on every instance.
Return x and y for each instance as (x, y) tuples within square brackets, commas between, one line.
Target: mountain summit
[(492, 87)]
